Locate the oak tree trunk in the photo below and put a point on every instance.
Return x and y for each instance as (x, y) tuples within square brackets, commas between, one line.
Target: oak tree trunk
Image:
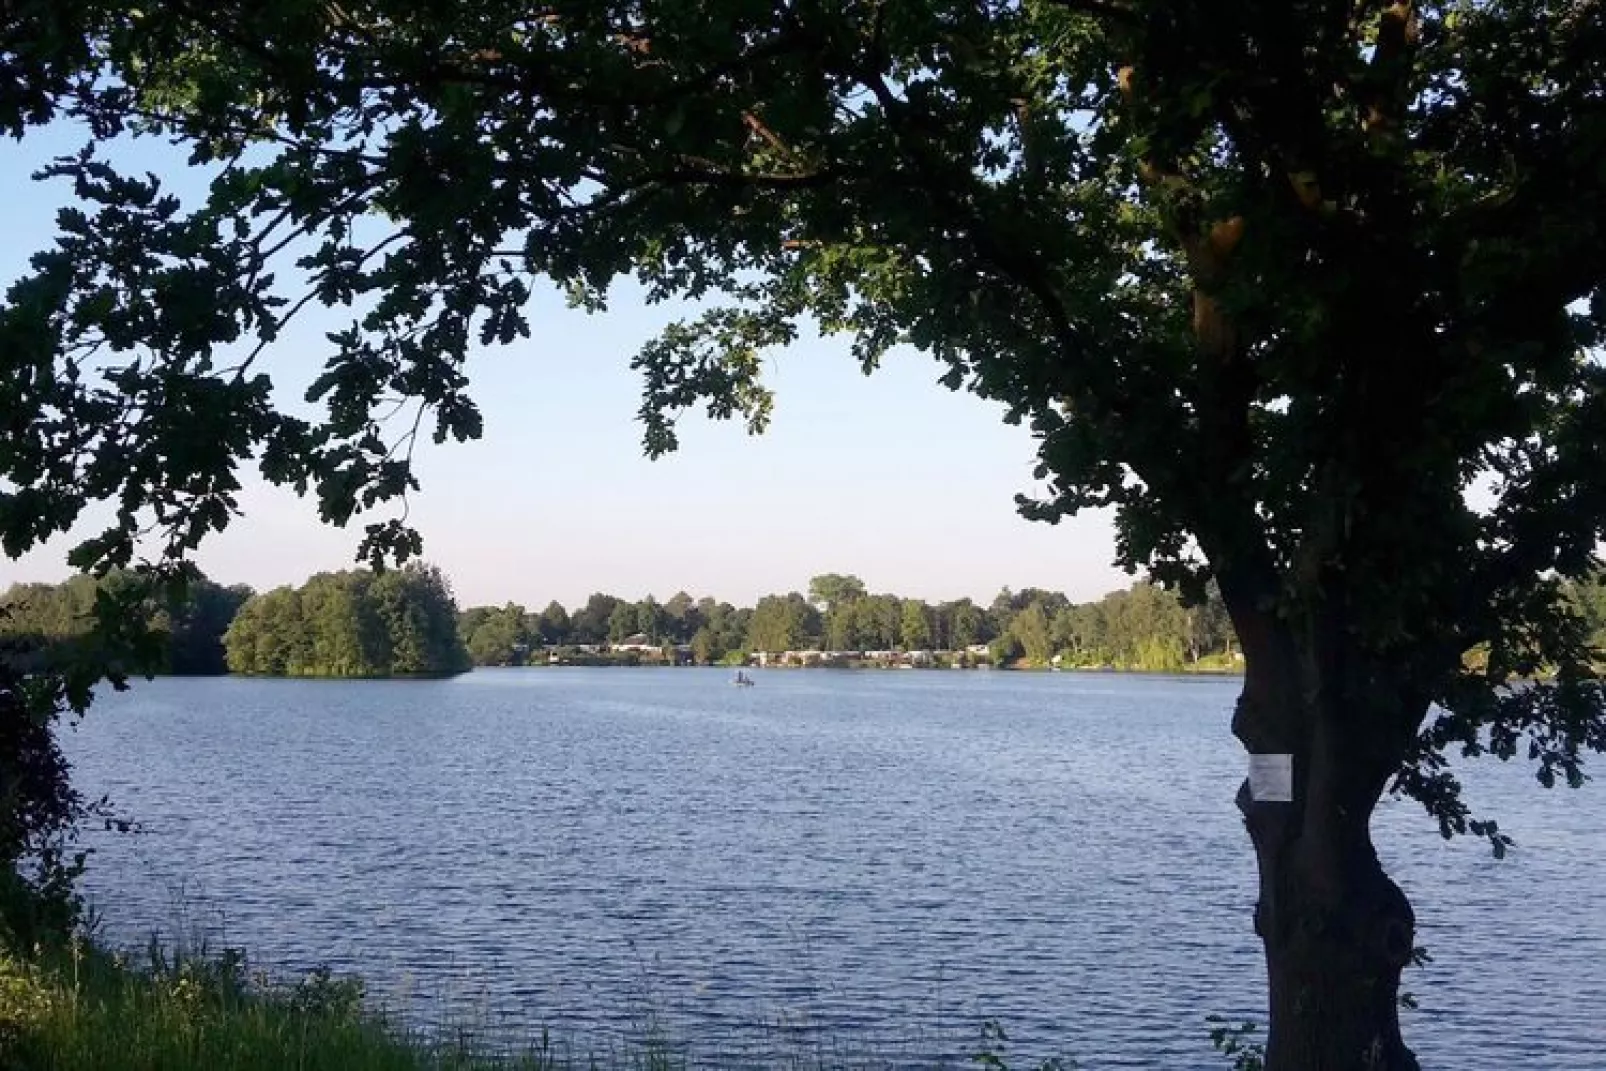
[(1336, 940), (1337, 931)]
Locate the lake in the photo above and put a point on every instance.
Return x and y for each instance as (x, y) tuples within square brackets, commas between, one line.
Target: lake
[(862, 863)]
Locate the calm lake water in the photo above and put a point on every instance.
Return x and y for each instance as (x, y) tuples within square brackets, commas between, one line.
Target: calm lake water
[(872, 863)]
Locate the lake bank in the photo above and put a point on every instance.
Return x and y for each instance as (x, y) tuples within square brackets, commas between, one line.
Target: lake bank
[(816, 660), (636, 661), (82, 1007)]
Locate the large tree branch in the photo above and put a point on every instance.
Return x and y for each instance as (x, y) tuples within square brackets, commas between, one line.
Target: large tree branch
[(1387, 95)]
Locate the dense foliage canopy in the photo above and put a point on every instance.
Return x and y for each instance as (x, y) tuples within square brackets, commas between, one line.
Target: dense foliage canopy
[(402, 622), (189, 629), (1309, 292)]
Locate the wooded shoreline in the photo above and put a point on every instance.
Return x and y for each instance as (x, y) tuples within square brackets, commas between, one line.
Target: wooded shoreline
[(405, 623)]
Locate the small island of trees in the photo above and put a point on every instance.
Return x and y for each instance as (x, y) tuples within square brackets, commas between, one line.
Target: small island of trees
[(399, 623)]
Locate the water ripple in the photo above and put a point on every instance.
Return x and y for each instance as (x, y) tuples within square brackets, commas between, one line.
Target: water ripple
[(863, 862)]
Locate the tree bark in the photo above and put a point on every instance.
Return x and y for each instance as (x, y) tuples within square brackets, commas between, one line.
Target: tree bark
[(1337, 931), (1336, 939)]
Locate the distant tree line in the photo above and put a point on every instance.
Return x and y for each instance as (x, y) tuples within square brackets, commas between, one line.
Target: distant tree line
[(402, 622), (504, 635), (406, 622), (190, 631), (1144, 627)]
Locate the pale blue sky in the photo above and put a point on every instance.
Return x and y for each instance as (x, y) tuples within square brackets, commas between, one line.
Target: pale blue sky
[(891, 477)]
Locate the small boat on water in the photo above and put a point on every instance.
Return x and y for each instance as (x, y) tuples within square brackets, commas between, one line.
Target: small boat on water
[(742, 680)]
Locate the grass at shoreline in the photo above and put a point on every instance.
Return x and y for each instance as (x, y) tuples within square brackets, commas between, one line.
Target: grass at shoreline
[(81, 1008)]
